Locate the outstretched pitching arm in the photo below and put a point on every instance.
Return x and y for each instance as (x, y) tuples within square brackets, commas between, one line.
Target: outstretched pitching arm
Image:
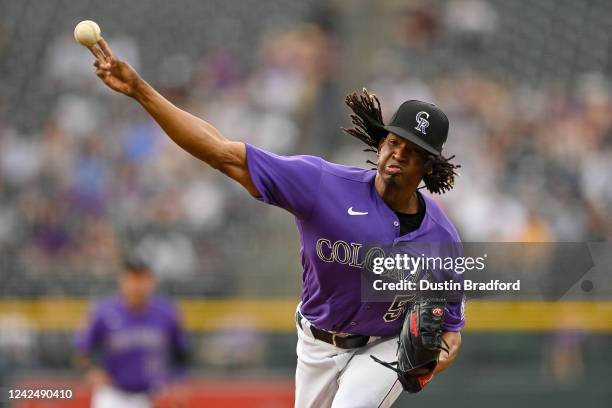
[(194, 135)]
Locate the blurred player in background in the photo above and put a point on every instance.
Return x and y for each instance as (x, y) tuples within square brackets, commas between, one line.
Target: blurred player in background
[(133, 348), (333, 205)]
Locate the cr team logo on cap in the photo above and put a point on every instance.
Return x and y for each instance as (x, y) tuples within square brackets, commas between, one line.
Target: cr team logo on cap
[(422, 122)]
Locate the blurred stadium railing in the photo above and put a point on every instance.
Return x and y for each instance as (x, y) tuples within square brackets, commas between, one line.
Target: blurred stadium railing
[(84, 173)]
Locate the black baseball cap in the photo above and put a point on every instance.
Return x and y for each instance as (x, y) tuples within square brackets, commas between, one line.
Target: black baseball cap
[(422, 123), (133, 263)]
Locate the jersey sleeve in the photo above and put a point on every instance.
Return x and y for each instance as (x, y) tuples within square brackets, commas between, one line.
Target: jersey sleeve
[(90, 337), (454, 319), (289, 182)]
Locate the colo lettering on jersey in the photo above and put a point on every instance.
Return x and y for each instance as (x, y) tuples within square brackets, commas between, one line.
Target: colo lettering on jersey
[(346, 253)]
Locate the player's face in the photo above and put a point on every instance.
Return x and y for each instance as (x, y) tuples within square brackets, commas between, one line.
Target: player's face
[(400, 162), (136, 287)]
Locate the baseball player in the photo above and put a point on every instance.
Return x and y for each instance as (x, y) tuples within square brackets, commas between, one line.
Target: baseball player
[(337, 209), (133, 347)]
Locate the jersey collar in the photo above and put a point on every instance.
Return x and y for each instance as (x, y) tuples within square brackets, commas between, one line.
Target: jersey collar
[(428, 221)]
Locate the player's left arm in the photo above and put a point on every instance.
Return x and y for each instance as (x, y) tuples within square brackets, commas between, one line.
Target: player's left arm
[(453, 339), (180, 350), (87, 343), (176, 392), (94, 375)]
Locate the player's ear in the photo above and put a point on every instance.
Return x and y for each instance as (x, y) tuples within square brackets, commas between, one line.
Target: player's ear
[(428, 167)]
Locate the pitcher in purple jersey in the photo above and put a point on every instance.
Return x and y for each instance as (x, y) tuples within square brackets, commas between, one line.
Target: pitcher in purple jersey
[(338, 209), (133, 346)]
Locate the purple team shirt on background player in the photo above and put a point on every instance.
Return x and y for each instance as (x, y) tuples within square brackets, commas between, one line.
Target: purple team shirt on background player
[(135, 347), (337, 207)]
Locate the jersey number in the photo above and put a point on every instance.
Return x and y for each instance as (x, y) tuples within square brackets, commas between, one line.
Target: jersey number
[(396, 310)]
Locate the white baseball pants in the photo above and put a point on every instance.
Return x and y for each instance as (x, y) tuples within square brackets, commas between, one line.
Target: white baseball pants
[(328, 376), (110, 397)]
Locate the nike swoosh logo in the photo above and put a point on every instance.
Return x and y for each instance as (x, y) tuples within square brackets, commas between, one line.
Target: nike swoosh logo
[(351, 212)]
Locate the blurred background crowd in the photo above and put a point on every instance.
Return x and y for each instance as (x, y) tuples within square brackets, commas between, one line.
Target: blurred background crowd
[(84, 173)]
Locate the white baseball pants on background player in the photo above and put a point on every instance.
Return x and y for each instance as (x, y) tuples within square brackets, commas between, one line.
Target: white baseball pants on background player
[(328, 376), (110, 397)]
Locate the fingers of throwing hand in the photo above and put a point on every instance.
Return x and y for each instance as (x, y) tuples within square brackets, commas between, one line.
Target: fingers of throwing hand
[(101, 73), (101, 67), (105, 49), (98, 54)]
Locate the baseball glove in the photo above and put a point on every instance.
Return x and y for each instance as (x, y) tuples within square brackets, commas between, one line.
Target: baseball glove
[(419, 345)]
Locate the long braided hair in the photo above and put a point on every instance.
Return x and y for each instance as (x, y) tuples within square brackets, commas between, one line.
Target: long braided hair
[(367, 117)]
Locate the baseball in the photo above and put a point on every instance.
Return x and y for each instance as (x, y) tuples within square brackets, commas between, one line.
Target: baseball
[(87, 33)]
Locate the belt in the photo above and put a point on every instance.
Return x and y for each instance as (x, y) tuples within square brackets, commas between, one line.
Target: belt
[(341, 341)]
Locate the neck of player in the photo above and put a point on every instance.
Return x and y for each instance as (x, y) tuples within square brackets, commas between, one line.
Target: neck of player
[(402, 199)]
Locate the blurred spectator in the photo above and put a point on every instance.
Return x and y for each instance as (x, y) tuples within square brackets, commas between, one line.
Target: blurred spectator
[(417, 24), (470, 22)]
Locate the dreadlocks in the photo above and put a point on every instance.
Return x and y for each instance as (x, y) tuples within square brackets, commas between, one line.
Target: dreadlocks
[(367, 117)]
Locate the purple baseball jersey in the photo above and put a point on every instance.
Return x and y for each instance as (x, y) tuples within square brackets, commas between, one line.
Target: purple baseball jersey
[(337, 211), (136, 348)]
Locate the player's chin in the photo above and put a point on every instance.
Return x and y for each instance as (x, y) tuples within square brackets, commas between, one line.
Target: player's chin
[(391, 179)]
